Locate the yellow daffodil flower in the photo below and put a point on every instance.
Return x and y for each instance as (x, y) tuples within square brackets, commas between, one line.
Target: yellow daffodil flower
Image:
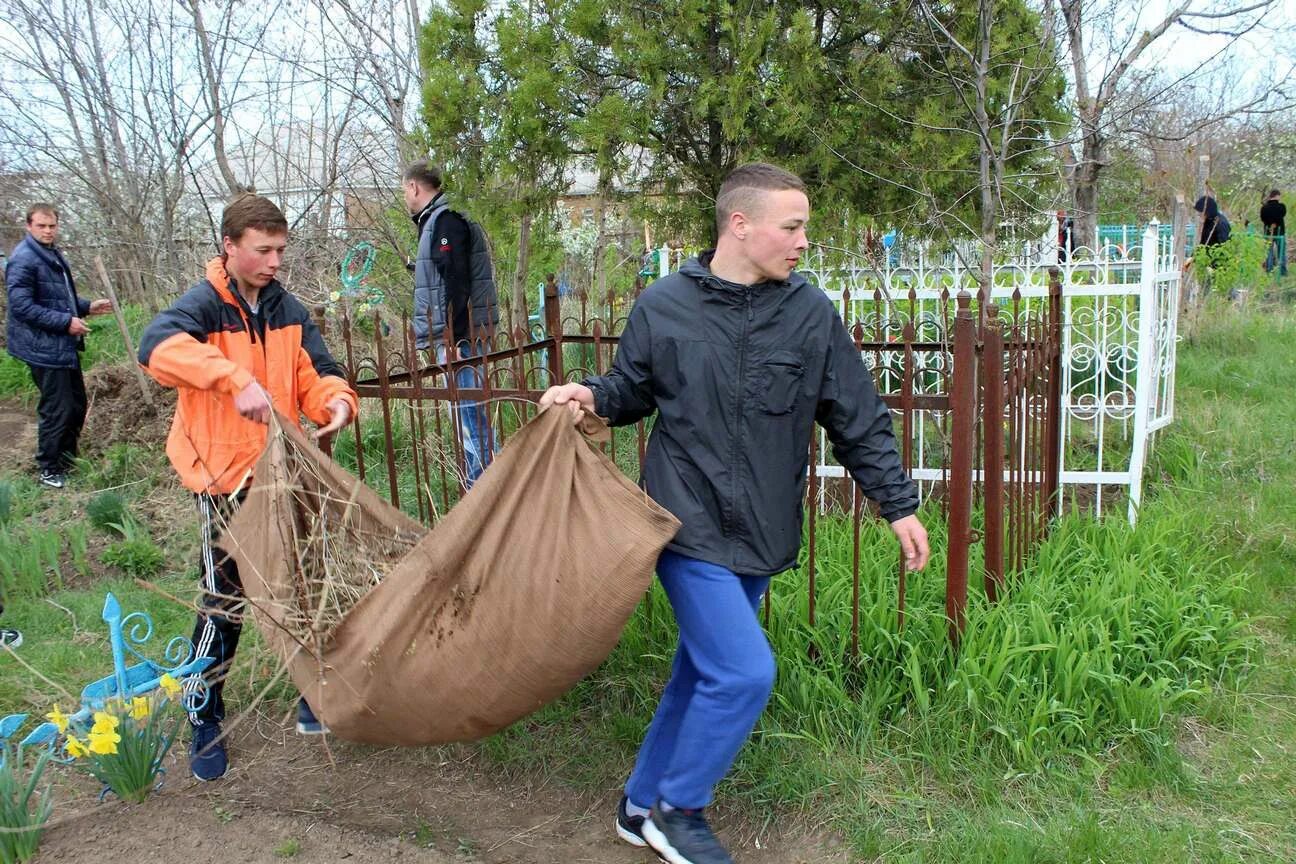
[(104, 743), (76, 749), (139, 708), (58, 718), (169, 686), (104, 722)]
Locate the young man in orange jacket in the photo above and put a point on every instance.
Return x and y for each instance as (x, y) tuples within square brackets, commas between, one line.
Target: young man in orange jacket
[(237, 346)]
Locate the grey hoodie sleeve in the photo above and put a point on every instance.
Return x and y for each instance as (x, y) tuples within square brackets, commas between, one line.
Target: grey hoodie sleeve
[(625, 394), (859, 426)]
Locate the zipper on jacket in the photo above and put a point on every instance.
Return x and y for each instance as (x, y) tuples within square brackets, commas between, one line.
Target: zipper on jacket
[(739, 394), (245, 311)]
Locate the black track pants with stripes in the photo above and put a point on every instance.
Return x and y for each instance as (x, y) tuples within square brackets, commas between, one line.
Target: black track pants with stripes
[(216, 633)]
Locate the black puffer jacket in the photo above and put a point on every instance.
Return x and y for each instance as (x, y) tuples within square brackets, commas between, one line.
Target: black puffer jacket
[(739, 375)]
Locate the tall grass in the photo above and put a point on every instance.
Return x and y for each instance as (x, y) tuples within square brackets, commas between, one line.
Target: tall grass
[(29, 561), (1101, 646)]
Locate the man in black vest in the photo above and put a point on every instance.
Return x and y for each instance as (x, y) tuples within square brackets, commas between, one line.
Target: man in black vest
[(455, 302)]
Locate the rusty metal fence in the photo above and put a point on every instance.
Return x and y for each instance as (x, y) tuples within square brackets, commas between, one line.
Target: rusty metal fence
[(982, 399)]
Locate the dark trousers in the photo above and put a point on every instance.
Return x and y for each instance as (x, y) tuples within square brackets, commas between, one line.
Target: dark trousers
[(60, 416), (216, 633)]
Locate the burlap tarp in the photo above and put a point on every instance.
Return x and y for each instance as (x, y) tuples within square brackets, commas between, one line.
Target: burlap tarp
[(519, 590)]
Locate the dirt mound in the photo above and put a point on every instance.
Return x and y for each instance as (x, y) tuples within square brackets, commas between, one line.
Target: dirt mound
[(118, 412)]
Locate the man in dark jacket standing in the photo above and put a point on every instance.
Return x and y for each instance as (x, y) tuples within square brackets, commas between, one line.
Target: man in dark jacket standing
[(46, 330), (739, 356), (456, 306), (1273, 216)]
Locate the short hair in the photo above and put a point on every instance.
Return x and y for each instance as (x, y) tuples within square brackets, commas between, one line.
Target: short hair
[(1274, 193), (742, 188), (42, 207), (424, 173), (248, 210)]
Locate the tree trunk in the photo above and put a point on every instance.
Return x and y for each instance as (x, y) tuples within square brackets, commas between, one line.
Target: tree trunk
[(518, 312), (598, 272), (1085, 189)]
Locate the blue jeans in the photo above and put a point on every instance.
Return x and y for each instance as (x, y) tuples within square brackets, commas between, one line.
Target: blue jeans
[(1277, 255), (721, 679), (474, 423)]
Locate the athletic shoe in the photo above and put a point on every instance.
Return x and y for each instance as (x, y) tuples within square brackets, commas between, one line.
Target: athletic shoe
[(53, 479), (207, 757), (629, 828), (307, 722), (10, 638), (683, 837)]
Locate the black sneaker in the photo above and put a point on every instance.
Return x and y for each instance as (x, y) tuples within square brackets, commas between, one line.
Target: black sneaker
[(683, 837), (207, 757), (629, 828), (307, 722), (53, 479), (12, 639)]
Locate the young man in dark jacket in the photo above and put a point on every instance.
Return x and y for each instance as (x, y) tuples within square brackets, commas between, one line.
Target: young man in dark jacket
[(740, 357), (455, 301), (47, 330), (1273, 216)]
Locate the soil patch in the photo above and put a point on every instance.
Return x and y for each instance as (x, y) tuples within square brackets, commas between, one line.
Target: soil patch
[(432, 805), (17, 437), (117, 410)]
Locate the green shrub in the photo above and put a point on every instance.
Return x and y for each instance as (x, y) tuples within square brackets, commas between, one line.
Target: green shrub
[(1234, 265), (106, 511), (136, 554)]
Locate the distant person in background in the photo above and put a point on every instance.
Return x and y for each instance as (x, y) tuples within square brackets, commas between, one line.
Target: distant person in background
[(1215, 228), (1066, 237), (46, 330), (1273, 215), (455, 300)]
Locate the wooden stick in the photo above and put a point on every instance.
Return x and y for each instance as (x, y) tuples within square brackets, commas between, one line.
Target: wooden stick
[(126, 337)]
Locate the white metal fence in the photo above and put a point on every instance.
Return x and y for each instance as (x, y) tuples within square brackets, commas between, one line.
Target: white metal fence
[(1120, 317)]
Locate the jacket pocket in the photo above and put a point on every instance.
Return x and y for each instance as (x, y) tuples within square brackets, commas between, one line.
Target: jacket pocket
[(780, 380)]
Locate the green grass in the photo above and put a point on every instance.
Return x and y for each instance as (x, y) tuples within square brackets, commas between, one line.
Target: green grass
[(29, 561), (1133, 699)]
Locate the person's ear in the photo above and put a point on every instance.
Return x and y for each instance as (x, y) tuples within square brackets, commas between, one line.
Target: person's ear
[(739, 225)]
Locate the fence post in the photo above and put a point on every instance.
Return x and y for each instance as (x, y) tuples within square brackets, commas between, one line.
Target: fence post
[(351, 382), (553, 328), (992, 426), (384, 397), (1057, 413), (962, 444), (1147, 362)]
